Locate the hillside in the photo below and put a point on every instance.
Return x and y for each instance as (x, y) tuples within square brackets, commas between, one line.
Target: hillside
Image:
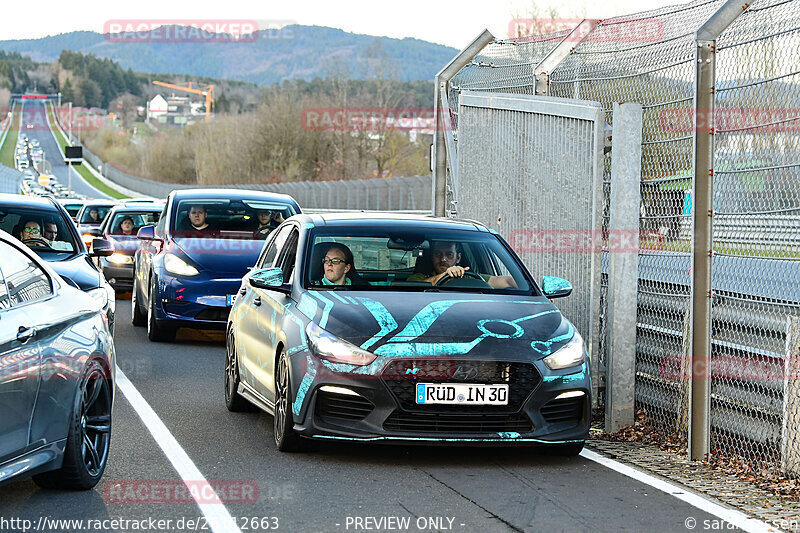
[(297, 52)]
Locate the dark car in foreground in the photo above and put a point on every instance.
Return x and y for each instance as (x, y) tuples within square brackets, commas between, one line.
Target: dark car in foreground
[(398, 328), (56, 375), (189, 267), (120, 228), (53, 237)]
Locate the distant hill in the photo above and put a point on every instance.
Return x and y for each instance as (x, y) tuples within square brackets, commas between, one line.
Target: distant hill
[(296, 52)]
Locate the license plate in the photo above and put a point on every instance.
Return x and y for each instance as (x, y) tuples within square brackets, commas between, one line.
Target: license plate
[(462, 393), (230, 299)]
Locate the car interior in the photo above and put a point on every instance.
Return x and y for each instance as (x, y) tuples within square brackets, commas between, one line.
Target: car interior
[(234, 219), (389, 261)]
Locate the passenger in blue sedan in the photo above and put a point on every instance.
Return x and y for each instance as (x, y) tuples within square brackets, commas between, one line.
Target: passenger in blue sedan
[(268, 220)]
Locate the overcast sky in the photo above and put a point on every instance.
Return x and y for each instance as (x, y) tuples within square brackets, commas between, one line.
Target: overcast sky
[(454, 22)]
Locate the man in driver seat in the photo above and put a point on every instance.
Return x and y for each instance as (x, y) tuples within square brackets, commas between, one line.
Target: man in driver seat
[(446, 257)]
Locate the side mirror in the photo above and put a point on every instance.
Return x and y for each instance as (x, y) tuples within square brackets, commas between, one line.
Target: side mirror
[(101, 248), (147, 233), (554, 287), (267, 278), (95, 232)]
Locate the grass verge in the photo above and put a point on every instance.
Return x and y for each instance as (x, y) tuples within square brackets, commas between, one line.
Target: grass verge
[(10, 144)]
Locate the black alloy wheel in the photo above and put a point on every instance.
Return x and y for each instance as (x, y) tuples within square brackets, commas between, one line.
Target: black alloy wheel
[(233, 401), (286, 440), (89, 437)]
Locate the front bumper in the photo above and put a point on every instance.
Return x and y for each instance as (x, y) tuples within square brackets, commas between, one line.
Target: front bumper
[(119, 276), (380, 410), (195, 303)]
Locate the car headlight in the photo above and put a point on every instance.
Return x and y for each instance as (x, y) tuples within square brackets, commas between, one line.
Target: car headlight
[(334, 349), (87, 239), (179, 267), (571, 354), (120, 259)]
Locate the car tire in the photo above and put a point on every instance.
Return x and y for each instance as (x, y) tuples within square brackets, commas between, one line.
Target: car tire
[(286, 439), (138, 318), (234, 402), (155, 331), (89, 436)]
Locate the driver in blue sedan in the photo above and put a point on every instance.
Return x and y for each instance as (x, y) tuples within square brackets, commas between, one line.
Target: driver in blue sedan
[(446, 256)]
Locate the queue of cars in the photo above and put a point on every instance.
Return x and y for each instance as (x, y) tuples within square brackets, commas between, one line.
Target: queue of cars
[(359, 327)]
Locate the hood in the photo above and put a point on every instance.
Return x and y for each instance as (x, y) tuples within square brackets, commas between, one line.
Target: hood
[(78, 268), (437, 323), (227, 257)]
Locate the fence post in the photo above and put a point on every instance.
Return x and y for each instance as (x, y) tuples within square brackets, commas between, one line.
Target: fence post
[(790, 436), (703, 211), (443, 130), (623, 267)]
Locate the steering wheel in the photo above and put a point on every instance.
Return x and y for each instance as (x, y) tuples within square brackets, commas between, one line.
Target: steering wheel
[(38, 242), (467, 274)]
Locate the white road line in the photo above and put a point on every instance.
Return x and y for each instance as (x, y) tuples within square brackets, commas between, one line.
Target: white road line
[(219, 519), (732, 516)]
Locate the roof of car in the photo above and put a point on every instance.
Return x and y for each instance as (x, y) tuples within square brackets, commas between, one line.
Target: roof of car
[(26, 201), (239, 194), (389, 218), (100, 203), (151, 208)]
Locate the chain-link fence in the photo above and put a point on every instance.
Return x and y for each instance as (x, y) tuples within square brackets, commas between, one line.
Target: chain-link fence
[(650, 58), (757, 203)]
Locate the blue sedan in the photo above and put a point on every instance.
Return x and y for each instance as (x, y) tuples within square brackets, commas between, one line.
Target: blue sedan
[(189, 267)]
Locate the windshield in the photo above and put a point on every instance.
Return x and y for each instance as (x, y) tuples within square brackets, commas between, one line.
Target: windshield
[(232, 219), (129, 222), (94, 214), (43, 230), (409, 260)]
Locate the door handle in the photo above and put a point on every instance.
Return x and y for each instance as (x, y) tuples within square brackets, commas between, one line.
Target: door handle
[(243, 291), (257, 301), (25, 334)]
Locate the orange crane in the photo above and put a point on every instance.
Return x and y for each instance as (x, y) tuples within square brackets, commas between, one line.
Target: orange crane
[(206, 90)]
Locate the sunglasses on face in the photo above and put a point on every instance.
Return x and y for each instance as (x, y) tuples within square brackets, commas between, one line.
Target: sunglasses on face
[(332, 261), (35, 231)]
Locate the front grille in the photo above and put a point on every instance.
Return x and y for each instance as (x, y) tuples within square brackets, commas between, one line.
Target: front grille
[(214, 314), (402, 375), (565, 410), (456, 423), (330, 406)]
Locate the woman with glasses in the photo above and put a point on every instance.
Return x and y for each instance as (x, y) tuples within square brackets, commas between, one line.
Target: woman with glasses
[(338, 267)]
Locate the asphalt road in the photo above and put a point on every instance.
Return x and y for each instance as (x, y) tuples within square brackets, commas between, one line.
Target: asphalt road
[(335, 487), (33, 113)]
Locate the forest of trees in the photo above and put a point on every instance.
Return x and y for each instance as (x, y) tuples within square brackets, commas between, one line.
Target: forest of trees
[(89, 81)]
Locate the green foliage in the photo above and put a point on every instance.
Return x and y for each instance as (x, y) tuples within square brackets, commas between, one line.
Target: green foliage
[(98, 80)]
